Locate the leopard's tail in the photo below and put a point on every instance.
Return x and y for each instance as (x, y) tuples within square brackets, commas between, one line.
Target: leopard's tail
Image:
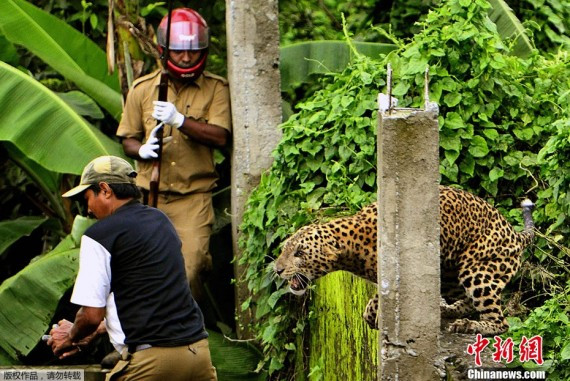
[(527, 234)]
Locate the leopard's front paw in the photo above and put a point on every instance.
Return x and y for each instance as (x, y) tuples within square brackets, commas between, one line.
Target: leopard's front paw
[(463, 326)]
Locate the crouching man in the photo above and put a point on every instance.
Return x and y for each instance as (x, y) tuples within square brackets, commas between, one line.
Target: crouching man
[(131, 283)]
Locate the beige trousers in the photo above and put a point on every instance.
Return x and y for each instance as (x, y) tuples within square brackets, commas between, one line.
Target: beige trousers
[(193, 217), (185, 363)]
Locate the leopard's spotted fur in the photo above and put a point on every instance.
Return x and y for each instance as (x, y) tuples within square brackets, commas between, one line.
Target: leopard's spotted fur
[(480, 251)]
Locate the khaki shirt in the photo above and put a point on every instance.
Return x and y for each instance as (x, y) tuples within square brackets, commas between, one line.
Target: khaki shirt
[(187, 166)]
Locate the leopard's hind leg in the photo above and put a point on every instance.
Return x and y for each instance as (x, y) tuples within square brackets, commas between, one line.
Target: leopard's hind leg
[(484, 281)]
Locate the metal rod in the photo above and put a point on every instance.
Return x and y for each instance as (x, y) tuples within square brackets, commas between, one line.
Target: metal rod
[(389, 87), (426, 88)]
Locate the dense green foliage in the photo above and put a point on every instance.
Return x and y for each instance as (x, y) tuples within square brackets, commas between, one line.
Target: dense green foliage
[(497, 112), (551, 322), (303, 20), (549, 20), (321, 20)]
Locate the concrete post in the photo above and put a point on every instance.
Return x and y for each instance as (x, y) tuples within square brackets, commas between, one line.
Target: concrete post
[(408, 239), (253, 71)]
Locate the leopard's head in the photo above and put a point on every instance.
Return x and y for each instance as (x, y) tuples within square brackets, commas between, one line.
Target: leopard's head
[(308, 254)]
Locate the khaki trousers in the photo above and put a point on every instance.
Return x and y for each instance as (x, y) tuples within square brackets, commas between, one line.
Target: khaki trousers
[(185, 363), (193, 217)]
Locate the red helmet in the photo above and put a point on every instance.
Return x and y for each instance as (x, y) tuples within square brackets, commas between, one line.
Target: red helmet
[(188, 31)]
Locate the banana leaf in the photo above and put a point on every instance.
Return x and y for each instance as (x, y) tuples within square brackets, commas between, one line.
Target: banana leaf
[(29, 298), (49, 182), (234, 361), (82, 104), (45, 128), (298, 61), (8, 52), (13, 230), (62, 47), (509, 26), (6, 360)]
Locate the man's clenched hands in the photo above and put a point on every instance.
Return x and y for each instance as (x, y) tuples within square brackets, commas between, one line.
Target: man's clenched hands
[(166, 112)]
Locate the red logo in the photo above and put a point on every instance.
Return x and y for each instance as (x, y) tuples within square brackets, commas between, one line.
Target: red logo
[(529, 349)]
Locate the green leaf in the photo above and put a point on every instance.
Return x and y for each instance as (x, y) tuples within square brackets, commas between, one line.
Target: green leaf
[(274, 298), (449, 170), (290, 347), (491, 133), (45, 128), (269, 333), (478, 147), (62, 47), (298, 61), (450, 143), (48, 182), (81, 104), (416, 65), (30, 311), (452, 99), (234, 360), (467, 166), (13, 230), (275, 364), (565, 352), (509, 26), (495, 174), (453, 120), (523, 133), (401, 89), (451, 156), (8, 52)]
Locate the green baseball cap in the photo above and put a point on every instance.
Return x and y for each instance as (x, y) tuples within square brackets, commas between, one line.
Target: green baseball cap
[(108, 169)]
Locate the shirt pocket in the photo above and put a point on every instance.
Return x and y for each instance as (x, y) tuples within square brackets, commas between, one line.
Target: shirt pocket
[(200, 113)]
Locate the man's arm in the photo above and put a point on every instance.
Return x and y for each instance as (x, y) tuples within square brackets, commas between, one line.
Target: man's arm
[(87, 324), (131, 147), (207, 134)]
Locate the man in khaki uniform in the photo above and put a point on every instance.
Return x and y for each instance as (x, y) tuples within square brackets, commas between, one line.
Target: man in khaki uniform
[(196, 120)]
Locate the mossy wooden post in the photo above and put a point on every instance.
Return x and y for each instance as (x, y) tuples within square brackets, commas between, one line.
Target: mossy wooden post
[(341, 345), (253, 71), (408, 241)]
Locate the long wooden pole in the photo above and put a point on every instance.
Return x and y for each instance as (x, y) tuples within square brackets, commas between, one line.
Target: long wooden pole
[(162, 96)]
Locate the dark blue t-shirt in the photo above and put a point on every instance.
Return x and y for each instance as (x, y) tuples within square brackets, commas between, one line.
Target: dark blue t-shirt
[(147, 284)]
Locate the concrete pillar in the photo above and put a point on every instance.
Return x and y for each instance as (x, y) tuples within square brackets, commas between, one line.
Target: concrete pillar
[(253, 71), (408, 239)]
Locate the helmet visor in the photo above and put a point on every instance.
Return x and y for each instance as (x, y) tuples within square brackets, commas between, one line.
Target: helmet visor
[(185, 35)]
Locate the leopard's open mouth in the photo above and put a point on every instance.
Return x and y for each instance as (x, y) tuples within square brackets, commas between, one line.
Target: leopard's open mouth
[(298, 284)]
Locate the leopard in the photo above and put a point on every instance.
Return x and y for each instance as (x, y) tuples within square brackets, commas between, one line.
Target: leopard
[(480, 251)]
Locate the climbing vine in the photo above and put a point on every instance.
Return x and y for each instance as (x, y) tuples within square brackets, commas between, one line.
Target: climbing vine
[(503, 135)]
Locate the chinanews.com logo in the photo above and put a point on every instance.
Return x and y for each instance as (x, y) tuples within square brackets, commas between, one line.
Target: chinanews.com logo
[(528, 350)]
